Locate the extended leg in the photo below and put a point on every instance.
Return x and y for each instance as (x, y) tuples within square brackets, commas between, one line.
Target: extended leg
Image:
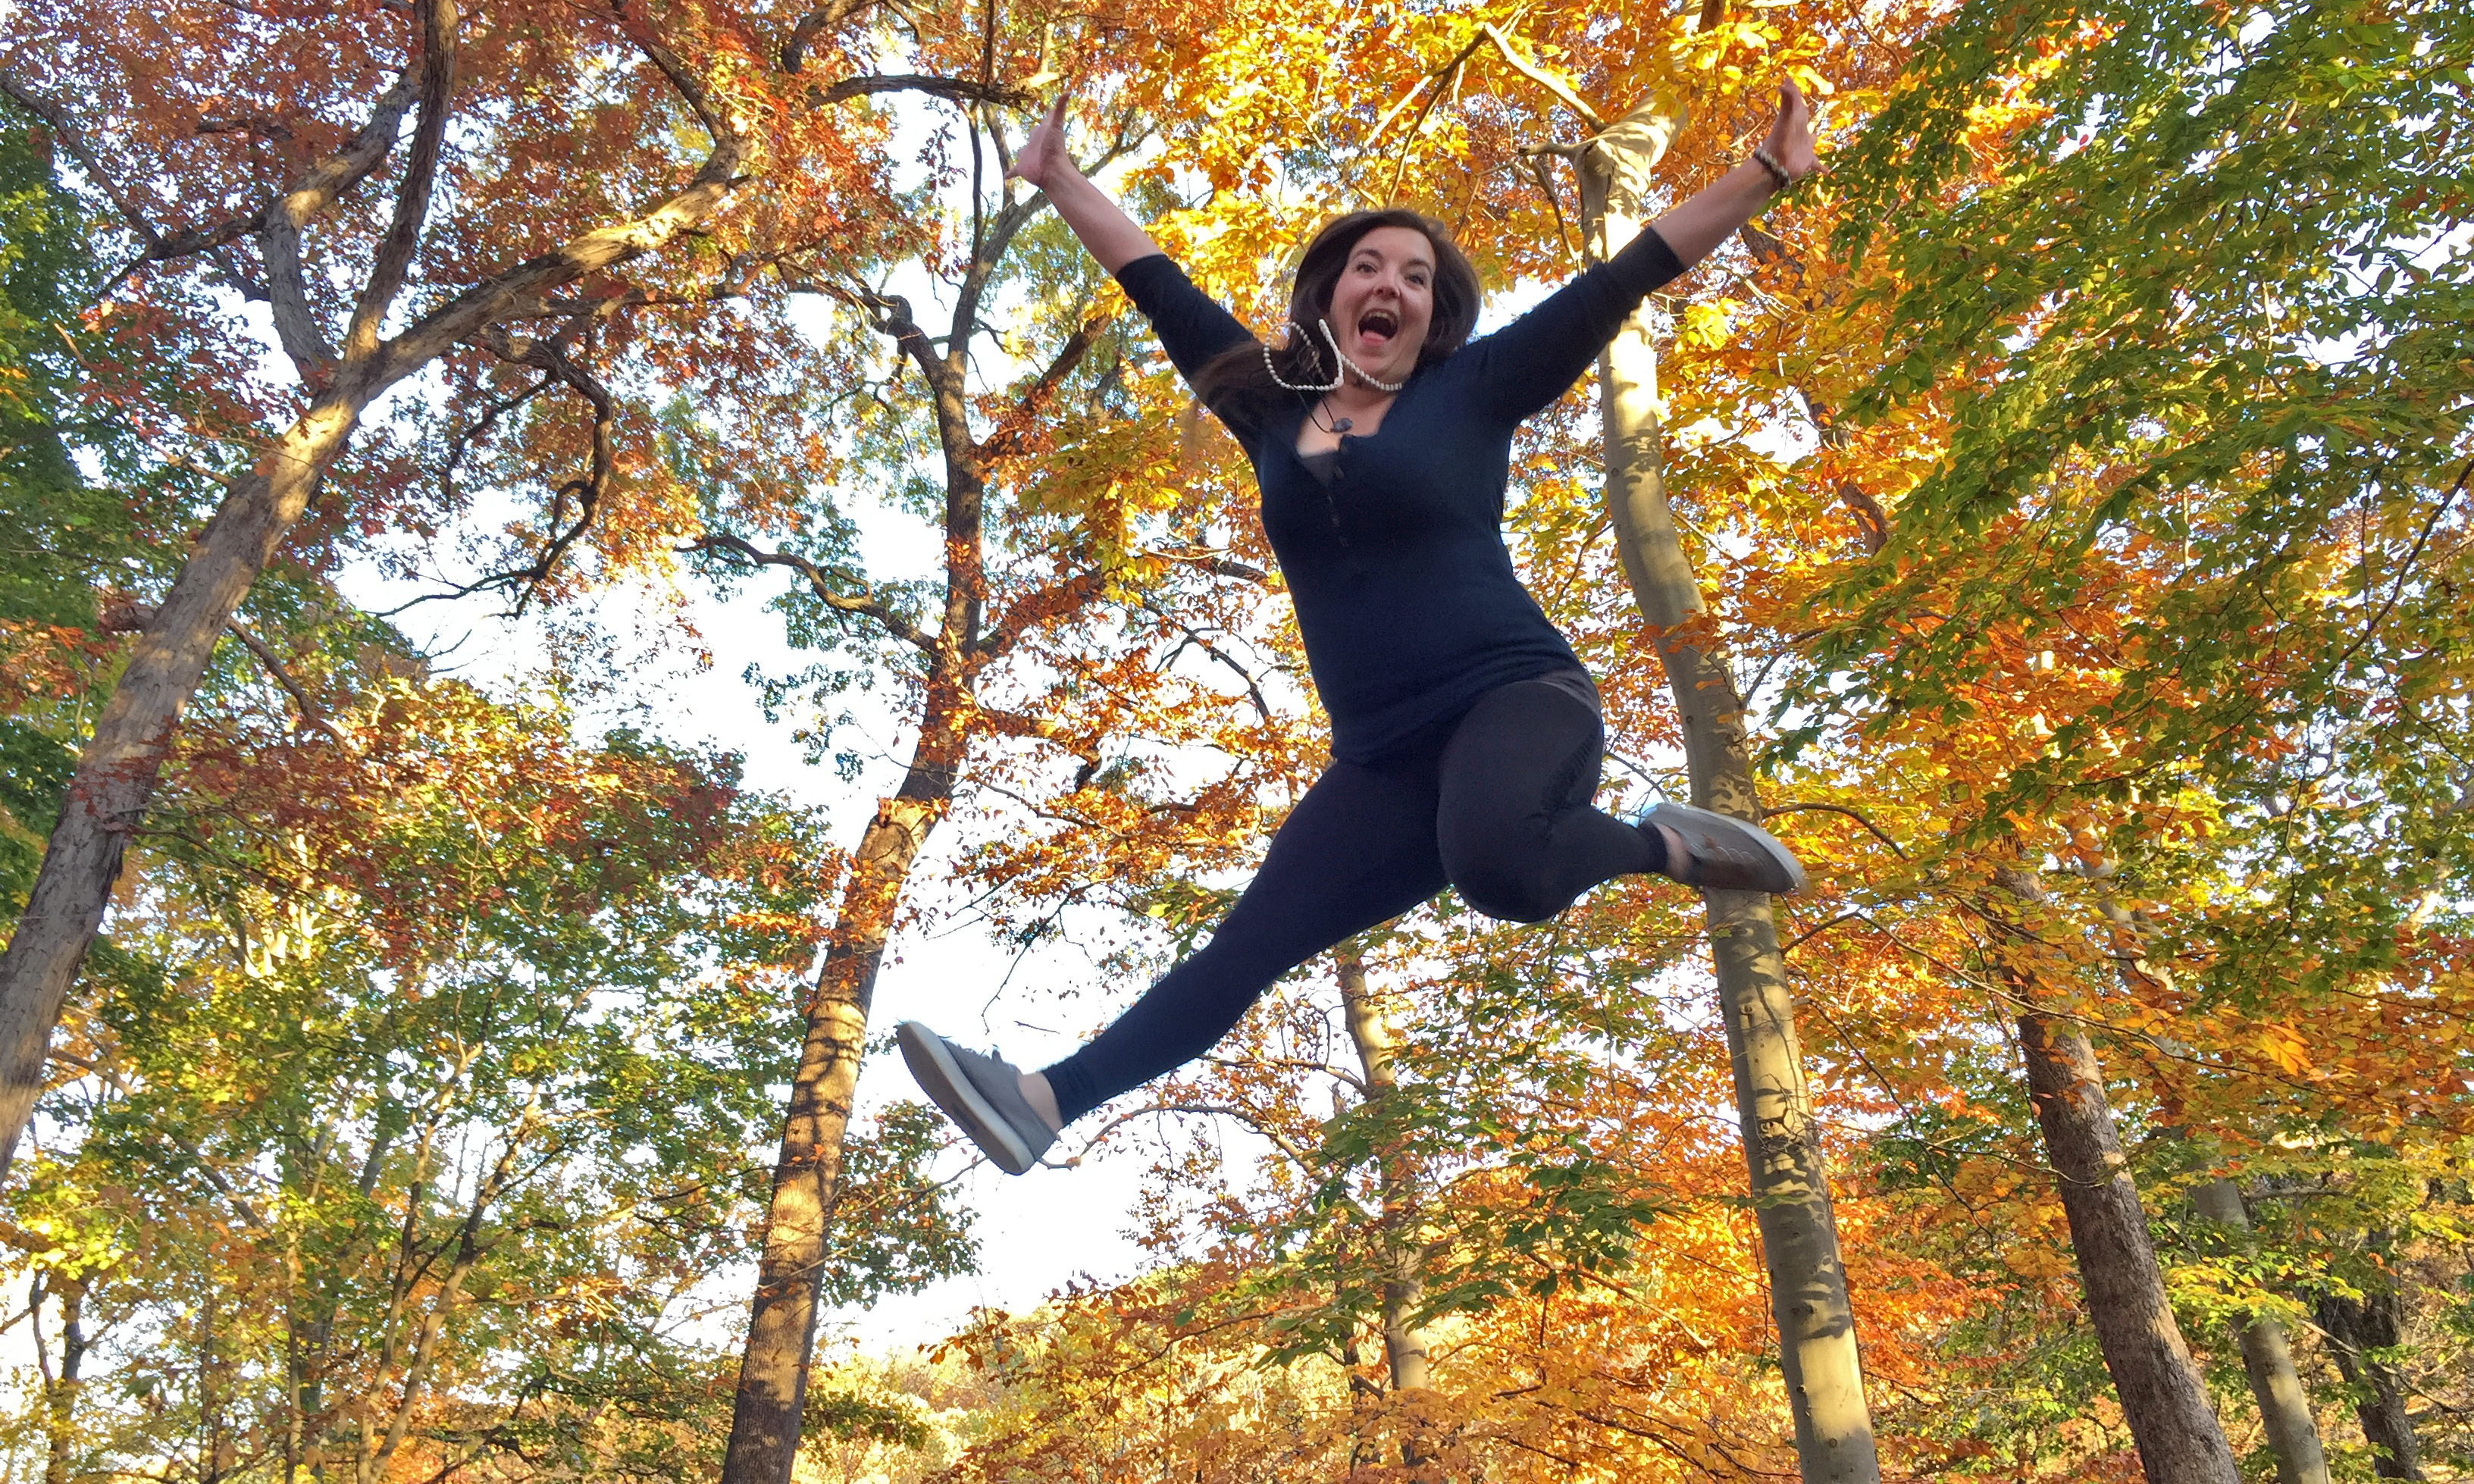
[(1359, 849)]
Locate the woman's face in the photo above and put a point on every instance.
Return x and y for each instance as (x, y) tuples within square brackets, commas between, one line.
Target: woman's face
[(1384, 301)]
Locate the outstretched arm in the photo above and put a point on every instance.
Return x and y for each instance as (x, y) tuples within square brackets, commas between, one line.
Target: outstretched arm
[(1694, 229), (1108, 232), (1529, 363)]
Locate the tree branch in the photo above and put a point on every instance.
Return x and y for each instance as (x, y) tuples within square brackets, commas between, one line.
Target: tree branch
[(1004, 439), (463, 316), (819, 583), (953, 89), (123, 616), (438, 25), (296, 321), (1840, 808), (1253, 689), (1559, 87), (65, 130), (310, 712)]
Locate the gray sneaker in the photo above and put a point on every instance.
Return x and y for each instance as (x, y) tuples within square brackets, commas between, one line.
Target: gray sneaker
[(1720, 851), (980, 1093)]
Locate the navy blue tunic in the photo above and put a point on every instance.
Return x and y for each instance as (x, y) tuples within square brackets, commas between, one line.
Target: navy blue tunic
[(1405, 592)]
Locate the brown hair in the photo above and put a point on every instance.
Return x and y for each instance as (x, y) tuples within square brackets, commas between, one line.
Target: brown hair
[(1236, 377)]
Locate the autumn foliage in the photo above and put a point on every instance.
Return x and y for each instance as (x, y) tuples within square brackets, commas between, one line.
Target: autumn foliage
[(2077, 471)]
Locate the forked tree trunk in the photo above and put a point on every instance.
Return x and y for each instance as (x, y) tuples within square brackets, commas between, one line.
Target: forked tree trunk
[(781, 1319), (1790, 1183), (2267, 1360), (2357, 1330)]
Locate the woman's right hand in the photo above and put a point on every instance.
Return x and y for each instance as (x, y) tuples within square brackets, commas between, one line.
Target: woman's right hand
[(1042, 161)]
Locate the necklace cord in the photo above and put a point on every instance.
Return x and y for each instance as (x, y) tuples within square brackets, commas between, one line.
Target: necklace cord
[(1337, 376)]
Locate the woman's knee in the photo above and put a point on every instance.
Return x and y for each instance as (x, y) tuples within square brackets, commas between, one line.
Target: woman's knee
[(1501, 888)]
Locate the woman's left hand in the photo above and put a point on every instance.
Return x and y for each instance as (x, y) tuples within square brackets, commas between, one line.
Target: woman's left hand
[(1790, 137)]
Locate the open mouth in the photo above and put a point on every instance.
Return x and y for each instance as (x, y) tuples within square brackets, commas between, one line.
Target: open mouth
[(1378, 325)]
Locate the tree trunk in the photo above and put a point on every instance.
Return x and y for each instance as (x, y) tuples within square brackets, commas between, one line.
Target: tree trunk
[(2357, 1329), (61, 1392), (782, 1320), (1404, 1284), (1404, 1287), (115, 776), (2163, 1397), (2268, 1359), (1790, 1183)]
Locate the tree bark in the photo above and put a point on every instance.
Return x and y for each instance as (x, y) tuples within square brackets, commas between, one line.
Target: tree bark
[(782, 1320), (2357, 1329), (2163, 1397), (1790, 1182), (1404, 1287), (2268, 1359)]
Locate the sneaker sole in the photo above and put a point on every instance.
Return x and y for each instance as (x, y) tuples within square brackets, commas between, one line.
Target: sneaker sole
[(940, 1076), (1684, 816)]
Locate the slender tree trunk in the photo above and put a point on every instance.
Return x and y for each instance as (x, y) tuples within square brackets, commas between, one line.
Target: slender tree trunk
[(1404, 1285), (2163, 1397), (1404, 1278), (61, 1392), (2268, 1359), (782, 1322), (2355, 1329), (1790, 1182)]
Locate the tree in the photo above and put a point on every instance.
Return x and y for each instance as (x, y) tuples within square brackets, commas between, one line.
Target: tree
[(420, 1158), (1010, 645), (2178, 452), (227, 172)]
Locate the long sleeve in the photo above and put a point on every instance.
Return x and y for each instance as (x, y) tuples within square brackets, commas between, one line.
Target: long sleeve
[(1192, 325), (1519, 370)]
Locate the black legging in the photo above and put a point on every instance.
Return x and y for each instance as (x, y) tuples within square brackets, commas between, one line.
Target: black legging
[(1498, 807)]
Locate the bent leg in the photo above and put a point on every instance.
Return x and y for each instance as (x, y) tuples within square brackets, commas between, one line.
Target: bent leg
[(1514, 826), (1359, 849)]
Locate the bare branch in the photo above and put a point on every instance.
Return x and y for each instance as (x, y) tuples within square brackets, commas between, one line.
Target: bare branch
[(64, 129), (1004, 439), (310, 712), (1252, 690), (953, 89), (820, 583), (1561, 88), (123, 616)]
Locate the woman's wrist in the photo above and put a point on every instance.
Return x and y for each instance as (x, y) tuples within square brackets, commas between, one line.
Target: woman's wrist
[(1779, 179)]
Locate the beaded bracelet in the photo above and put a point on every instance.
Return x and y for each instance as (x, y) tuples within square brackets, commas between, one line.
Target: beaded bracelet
[(1780, 179)]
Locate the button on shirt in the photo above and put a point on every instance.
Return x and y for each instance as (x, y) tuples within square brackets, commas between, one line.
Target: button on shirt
[(1405, 592)]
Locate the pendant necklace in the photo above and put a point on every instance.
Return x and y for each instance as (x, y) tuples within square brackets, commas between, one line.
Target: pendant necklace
[(1336, 425)]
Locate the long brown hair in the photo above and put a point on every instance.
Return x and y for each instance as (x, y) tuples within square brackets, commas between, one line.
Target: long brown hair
[(1236, 380)]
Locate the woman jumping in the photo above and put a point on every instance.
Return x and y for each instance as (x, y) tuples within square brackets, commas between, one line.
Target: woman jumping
[(1467, 740)]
